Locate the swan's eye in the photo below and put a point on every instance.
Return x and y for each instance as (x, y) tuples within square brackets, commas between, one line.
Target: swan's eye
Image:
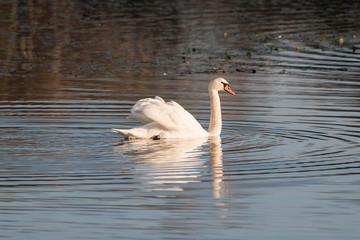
[(225, 84)]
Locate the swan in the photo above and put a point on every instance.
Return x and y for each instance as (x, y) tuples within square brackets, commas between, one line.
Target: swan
[(170, 120)]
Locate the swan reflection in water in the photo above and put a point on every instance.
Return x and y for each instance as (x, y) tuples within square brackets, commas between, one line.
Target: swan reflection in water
[(166, 164)]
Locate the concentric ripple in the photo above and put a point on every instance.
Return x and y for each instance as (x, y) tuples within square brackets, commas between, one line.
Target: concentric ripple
[(286, 165)]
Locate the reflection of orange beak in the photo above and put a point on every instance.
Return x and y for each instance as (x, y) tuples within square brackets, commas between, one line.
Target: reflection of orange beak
[(228, 89)]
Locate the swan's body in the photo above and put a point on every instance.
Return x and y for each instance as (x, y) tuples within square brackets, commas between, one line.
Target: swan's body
[(170, 120)]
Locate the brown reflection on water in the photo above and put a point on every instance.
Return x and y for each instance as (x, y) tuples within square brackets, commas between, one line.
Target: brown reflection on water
[(47, 43)]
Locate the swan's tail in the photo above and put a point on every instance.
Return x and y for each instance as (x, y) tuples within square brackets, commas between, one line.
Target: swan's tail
[(135, 133), (149, 130), (123, 132)]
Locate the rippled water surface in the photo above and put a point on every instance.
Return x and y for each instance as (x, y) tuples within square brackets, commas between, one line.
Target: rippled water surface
[(287, 165)]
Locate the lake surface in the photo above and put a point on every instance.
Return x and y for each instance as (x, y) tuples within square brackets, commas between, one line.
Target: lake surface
[(287, 164)]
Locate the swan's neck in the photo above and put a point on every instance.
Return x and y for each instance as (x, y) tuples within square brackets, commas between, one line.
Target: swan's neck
[(215, 117)]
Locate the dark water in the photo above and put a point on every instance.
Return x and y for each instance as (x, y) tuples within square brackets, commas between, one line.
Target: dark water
[(287, 165)]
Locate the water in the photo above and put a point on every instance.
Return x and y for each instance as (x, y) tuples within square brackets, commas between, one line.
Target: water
[(286, 165)]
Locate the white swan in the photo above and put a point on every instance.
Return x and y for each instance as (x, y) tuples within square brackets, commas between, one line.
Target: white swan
[(170, 120)]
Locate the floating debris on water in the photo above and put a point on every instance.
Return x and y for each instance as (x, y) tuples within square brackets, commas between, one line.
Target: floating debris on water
[(272, 48), (218, 70), (297, 48), (226, 34), (341, 41), (324, 36), (245, 70)]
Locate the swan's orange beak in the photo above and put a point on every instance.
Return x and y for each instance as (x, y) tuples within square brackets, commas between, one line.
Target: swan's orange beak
[(228, 89)]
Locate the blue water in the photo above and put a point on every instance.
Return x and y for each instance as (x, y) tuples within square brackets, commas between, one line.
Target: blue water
[(286, 165)]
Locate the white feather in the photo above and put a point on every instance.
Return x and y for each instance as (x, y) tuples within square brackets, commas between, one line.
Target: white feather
[(162, 120)]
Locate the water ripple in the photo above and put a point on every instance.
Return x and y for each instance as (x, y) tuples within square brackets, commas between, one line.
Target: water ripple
[(286, 165)]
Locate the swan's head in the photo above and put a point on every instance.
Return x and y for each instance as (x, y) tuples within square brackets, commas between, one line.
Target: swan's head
[(220, 84)]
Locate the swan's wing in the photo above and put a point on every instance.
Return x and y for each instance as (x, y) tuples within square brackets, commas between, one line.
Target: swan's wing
[(169, 115), (144, 109)]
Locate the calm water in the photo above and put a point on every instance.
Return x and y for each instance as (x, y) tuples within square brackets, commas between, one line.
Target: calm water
[(287, 165)]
